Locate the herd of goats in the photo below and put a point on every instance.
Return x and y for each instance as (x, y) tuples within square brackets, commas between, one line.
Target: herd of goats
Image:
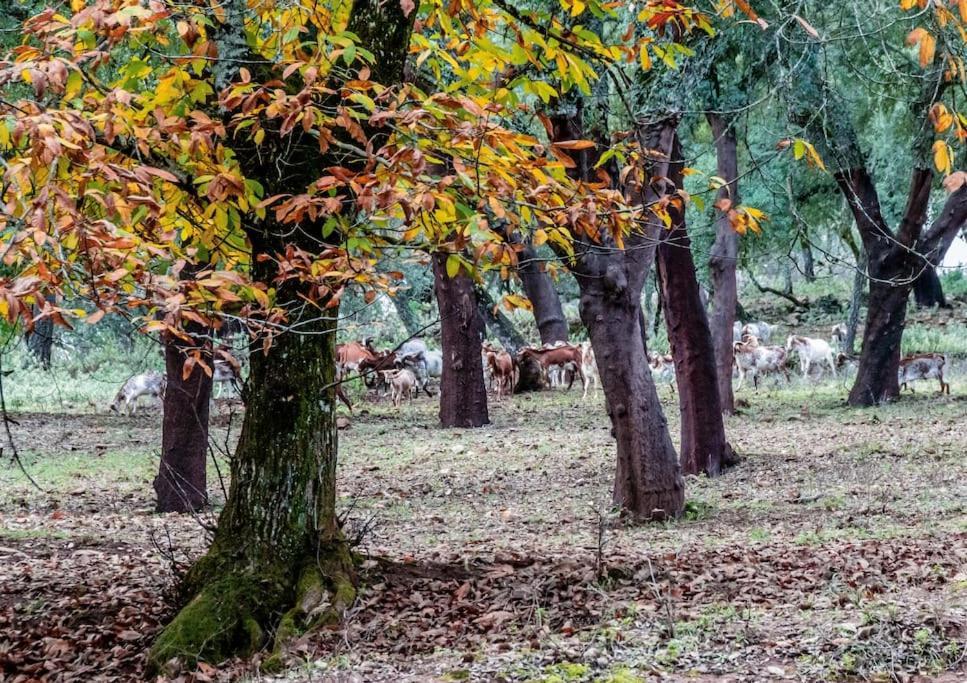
[(407, 370)]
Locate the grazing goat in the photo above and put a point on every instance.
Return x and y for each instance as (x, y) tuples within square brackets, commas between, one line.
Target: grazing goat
[(590, 369), (922, 366), (565, 355), (501, 367), (844, 360), (760, 330), (749, 356), (811, 351), (401, 382), (412, 355), (372, 368), (434, 364), (349, 356), (145, 384)]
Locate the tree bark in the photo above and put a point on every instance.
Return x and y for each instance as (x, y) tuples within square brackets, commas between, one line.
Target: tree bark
[(181, 484), (704, 447), (548, 312), (463, 396), (876, 378), (40, 341), (499, 324), (277, 548), (278, 563), (648, 482), (723, 259), (928, 291), (808, 264), (855, 303)]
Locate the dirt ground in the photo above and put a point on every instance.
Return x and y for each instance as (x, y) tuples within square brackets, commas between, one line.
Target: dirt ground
[(837, 550)]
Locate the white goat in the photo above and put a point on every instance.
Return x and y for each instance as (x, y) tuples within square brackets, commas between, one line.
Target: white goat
[(749, 356), (811, 351), (145, 384), (401, 382)]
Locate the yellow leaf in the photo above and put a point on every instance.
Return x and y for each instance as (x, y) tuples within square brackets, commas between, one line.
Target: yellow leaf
[(644, 58), (942, 157), (453, 265)]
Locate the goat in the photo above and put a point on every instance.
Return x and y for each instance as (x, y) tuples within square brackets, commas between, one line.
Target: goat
[(349, 356), (401, 381), (502, 369), (811, 351), (372, 368), (760, 330), (412, 355), (568, 356), (922, 366), (749, 356), (434, 364), (145, 384), (590, 369)]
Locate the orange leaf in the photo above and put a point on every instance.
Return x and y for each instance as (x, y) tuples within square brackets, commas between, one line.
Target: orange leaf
[(575, 144)]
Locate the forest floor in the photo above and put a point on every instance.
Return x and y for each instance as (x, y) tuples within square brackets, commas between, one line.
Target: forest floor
[(837, 549)]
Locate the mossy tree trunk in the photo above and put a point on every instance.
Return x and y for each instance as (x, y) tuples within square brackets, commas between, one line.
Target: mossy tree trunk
[(278, 563)]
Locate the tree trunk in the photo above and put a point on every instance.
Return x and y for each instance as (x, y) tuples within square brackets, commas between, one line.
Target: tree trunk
[(40, 341), (855, 302), (723, 260), (927, 289), (401, 302), (548, 312), (278, 563), (463, 396), (277, 550), (498, 323), (704, 447), (181, 481), (876, 379), (648, 482), (808, 265)]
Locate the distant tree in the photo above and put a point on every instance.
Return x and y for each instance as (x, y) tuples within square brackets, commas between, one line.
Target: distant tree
[(896, 257), (463, 395)]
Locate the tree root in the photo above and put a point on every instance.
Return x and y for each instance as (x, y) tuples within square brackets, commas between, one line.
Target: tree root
[(235, 614)]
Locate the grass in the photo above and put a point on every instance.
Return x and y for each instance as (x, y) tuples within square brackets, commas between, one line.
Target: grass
[(79, 381), (950, 339), (820, 483)]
